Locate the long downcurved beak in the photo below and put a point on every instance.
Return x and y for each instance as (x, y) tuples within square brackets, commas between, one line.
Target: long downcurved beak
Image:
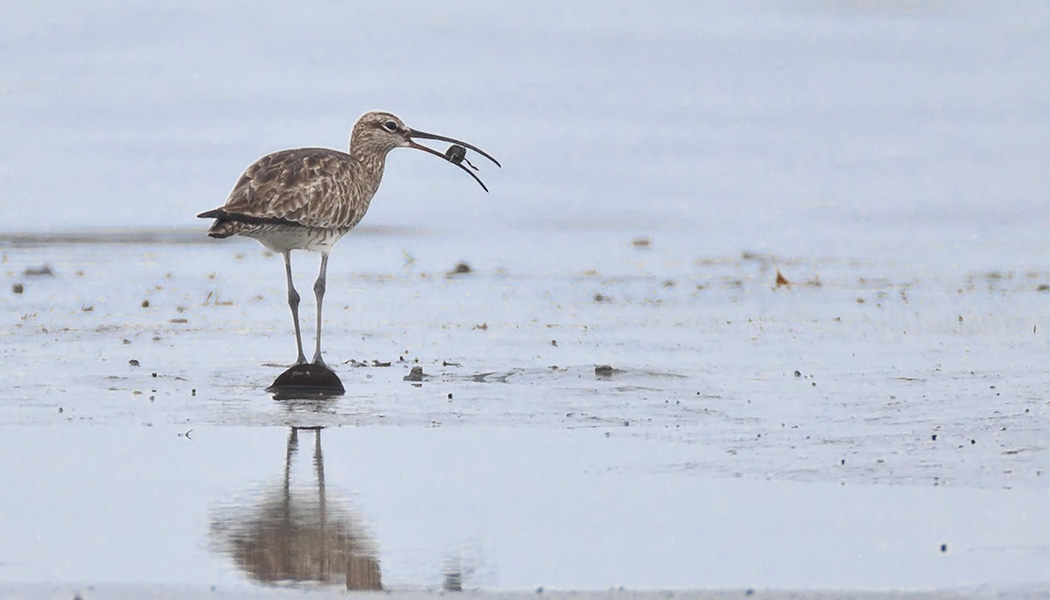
[(413, 133)]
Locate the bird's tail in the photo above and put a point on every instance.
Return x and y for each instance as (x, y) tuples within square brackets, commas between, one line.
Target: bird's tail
[(223, 227)]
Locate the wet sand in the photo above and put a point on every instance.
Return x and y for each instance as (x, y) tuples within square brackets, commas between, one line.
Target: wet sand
[(865, 426)]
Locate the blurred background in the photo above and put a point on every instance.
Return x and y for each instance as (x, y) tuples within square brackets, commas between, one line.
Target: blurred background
[(812, 127)]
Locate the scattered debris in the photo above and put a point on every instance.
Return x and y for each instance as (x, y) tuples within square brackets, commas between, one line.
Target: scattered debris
[(179, 320), (461, 268), (353, 362), (603, 370), (416, 374), (641, 242), (601, 298), (145, 303), (41, 271), (781, 280), (483, 327), (133, 362), (17, 288), (446, 363)]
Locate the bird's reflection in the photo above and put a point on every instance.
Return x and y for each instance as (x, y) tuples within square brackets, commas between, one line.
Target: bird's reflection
[(296, 535)]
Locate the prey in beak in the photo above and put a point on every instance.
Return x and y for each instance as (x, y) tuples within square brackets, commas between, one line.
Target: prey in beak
[(456, 153)]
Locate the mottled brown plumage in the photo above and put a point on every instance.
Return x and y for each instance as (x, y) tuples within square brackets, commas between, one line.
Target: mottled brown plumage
[(309, 198)]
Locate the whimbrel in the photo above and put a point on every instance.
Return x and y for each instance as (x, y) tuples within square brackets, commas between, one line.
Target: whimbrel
[(309, 198)]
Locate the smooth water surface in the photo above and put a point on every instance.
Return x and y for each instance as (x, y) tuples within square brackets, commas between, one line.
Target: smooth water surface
[(507, 508)]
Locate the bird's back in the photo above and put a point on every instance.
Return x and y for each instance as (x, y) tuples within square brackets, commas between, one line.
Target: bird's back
[(315, 188)]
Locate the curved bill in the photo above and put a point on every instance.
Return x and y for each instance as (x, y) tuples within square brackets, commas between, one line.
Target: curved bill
[(430, 136)]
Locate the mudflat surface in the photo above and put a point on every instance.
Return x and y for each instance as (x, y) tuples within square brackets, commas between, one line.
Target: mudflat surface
[(758, 302), (744, 434)]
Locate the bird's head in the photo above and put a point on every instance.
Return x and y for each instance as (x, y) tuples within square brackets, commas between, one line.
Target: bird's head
[(377, 133)]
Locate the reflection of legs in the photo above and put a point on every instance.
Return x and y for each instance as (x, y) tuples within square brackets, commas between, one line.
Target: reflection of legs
[(319, 286), (319, 465), (293, 303)]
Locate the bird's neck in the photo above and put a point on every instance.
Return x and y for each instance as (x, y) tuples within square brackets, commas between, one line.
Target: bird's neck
[(371, 165)]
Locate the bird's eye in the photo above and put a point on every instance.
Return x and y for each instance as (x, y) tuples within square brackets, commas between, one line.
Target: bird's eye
[(390, 126)]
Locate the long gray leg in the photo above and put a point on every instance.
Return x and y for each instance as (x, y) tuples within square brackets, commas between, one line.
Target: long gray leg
[(293, 303), (319, 287)]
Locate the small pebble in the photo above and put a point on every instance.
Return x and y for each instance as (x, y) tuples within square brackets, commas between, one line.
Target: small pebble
[(17, 288), (133, 362), (41, 271)]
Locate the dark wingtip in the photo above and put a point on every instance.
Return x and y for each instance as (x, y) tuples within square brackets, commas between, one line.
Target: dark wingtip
[(211, 214)]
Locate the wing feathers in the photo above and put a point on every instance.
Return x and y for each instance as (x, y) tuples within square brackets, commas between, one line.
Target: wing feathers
[(312, 187)]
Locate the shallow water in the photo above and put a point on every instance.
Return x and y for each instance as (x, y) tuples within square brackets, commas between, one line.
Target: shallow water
[(508, 508), (663, 162)]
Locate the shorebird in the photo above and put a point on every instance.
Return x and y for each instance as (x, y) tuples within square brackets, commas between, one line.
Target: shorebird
[(309, 198)]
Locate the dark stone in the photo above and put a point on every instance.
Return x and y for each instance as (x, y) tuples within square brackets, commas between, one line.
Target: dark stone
[(306, 382), (41, 271), (416, 374)]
